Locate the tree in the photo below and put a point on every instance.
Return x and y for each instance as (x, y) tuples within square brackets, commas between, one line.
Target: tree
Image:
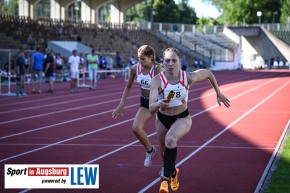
[(235, 12), (285, 11), (9, 7), (138, 13), (187, 14), (166, 11)]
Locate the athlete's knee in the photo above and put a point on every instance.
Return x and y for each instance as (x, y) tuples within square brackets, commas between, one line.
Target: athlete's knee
[(137, 130), (170, 141)]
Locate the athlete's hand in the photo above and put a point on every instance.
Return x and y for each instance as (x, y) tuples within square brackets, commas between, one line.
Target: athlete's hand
[(118, 111), (163, 104), (222, 99)]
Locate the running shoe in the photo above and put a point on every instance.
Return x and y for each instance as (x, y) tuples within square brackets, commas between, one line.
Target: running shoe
[(149, 156), (163, 187), (174, 184)]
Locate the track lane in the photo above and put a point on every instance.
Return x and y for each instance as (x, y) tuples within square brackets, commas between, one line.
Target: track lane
[(138, 158)]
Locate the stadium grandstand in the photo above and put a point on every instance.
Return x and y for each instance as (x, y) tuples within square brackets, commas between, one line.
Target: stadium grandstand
[(217, 47)]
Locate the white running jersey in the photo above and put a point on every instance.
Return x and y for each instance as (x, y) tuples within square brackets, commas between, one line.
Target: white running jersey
[(180, 89), (144, 80)]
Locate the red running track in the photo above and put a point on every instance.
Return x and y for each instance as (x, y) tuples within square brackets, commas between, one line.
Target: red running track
[(226, 151)]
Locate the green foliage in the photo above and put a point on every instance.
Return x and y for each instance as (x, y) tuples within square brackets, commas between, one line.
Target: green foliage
[(206, 21), (235, 12), (285, 11), (10, 7), (187, 14), (165, 11), (138, 13)]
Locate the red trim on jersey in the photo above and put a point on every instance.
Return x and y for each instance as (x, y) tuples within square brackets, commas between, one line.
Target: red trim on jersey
[(182, 80), (139, 68), (164, 82), (151, 72)]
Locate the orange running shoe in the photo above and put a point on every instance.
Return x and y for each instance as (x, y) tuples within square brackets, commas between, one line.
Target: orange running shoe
[(174, 184), (163, 187)]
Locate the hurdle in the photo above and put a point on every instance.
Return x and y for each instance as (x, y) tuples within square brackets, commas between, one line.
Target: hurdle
[(125, 72), (83, 73), (82, 83)]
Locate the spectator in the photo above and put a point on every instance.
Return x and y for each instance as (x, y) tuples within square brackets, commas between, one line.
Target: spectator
[(271, 62), (103, 65), (79, 39), (183, 63), (74, 63), (109, 61), (26, 62), (65, 69), (109, 65), (104, 62), (37, 69), (58, 67), (20, 72), (93, 68), (100, 62), (201, 65), (118, 60), (132, 61), (195, 64), (49, 69), (26, 80), (82, 61)]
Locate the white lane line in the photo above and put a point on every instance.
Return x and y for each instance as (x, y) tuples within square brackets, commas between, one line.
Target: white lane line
[(35, 107), (136, 145), (59, 103), (44, 147), (65, 122), (68, 95), (69, 109), (63, 141), (218, 134), (156, 180), (61, 123), (60, 111)]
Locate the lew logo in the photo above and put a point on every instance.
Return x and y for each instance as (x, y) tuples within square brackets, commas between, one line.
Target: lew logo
[(51, 176), (84, 175)]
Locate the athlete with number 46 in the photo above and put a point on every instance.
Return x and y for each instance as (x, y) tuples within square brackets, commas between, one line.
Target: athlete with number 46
[(173, 120), (144, 70)]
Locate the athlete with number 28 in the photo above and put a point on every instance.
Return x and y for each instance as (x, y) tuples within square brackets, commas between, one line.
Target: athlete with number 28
[(173, 120)]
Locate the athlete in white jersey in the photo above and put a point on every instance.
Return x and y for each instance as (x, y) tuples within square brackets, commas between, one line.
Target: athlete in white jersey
[(180, 89), (174, 121), (144, 79), (144, 71)]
